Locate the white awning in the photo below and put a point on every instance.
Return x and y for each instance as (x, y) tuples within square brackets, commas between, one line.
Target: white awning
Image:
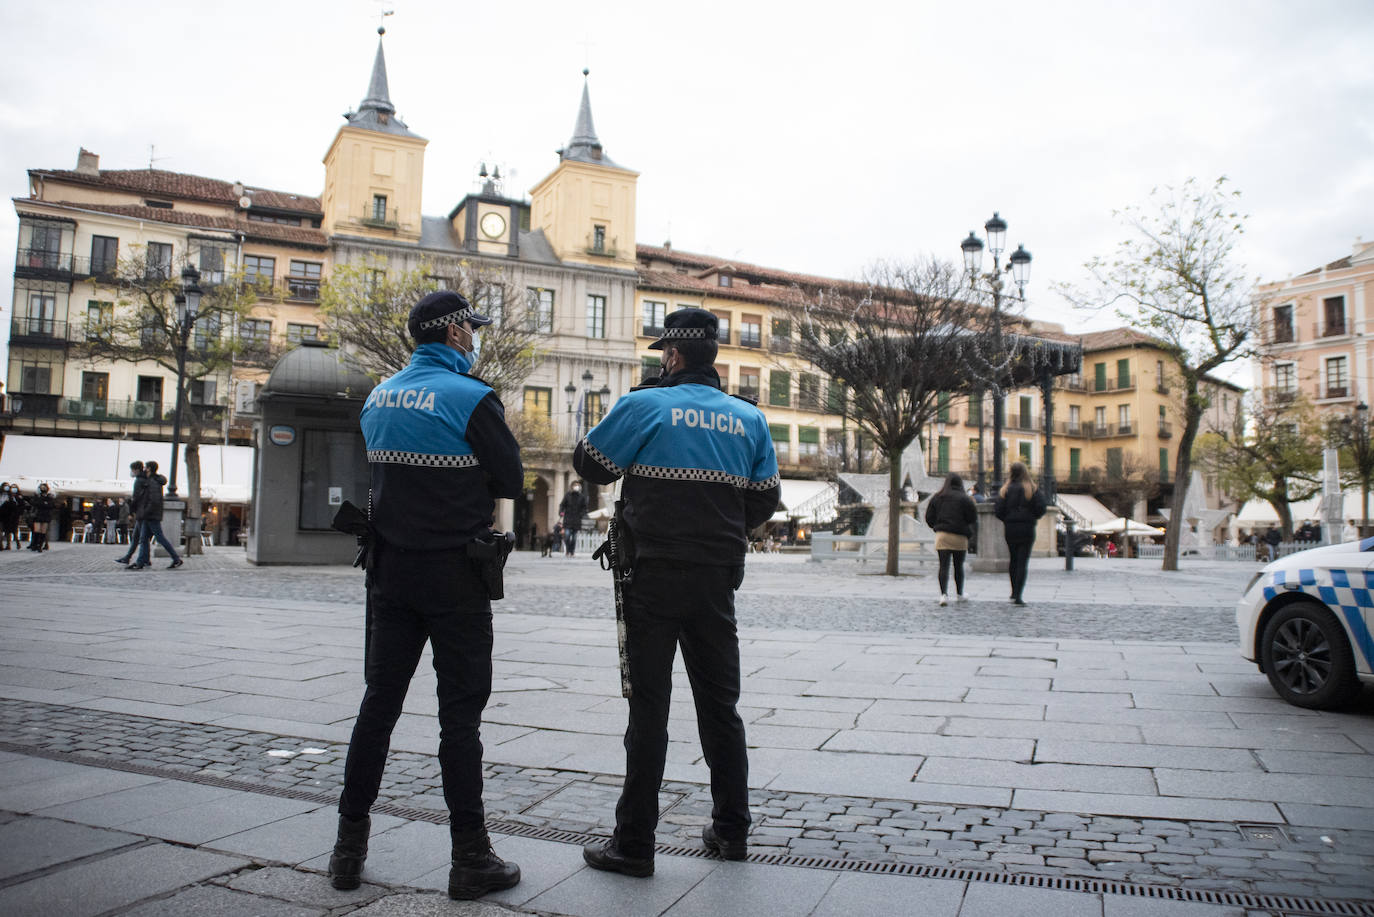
[(1261, 512), (100, 467), (1086, 510), (798, 497)]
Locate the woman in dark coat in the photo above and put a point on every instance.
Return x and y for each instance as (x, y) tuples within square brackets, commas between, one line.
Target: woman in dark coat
[(9, 516), (952, 515), (1019, 505), (43, 506)]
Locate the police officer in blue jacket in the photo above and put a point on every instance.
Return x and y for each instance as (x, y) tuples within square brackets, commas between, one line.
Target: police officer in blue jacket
[(440, 453), (700, 474)]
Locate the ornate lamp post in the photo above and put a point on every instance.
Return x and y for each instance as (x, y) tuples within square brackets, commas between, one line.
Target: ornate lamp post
[(583, 421), (188, 307), (1019, 266)]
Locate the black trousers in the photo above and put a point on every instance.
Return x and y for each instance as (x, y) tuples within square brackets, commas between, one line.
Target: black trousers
[(943, 575), (667, 604), (1020, 563), (417, 596)]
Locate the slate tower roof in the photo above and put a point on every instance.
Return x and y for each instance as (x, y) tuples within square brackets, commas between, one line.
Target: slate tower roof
[(376, 113), (584, 145)]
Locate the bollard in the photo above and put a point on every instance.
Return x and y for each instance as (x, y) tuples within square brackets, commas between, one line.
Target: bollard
[(1068, 544)]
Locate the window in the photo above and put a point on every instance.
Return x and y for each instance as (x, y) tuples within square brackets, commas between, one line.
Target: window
[(206, 332), (104, 254), (1285, 380), (159, 266), (42, 313), (653, 318), (599, 238), (213, 257), (1123, 418), (1115, 464), (157, 205), (749, 381), (201, 391), (723, 328), (1123, 373), (45, 245), (809, 392), (942, 407), (35, 380), (331, 459), (151, 334), (596, 315), (99, 319), (295, 333), (1161, 382), (1283, 324), (439, 282), (779, 388), (1336, 377), (95, 387), (379, 208), (259, 217), (975, 410), (1333, 311), (255, 334), (834, 397), (540, 303), (539, 401), (781, 337), (150, 393), (1163, 465), (942, 455), (1027, 416), (491, 301), (376, 278), (723, 370), (1025, 450), (1075, 464), (750, 331), (1100, 377), (650, 367), (1100, 419), (808, 444), (303, 280), (259, 269), (973, 452), (596, 409), (1075, 418), (782, 436)]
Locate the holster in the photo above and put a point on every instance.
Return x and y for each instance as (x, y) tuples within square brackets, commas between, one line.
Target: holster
[(352, 521), (488, 554)]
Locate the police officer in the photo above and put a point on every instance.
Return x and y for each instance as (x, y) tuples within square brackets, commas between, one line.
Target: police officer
[(440, 453), (700, 474)]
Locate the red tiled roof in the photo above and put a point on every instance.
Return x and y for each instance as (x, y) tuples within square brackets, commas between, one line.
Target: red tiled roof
[(672, 281), (264, 232), (767, 274), (1118, 337), (183, 186)]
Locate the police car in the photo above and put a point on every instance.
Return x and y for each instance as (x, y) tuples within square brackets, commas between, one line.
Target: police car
[(1306, 620)]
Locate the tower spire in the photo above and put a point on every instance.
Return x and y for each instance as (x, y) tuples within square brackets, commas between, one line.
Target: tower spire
[(584, 145), (377, 113)]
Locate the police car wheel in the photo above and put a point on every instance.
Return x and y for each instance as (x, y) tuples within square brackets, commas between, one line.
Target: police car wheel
[(1307, 657)]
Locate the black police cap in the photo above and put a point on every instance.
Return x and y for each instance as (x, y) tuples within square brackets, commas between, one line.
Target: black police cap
[(441, 308), (687, 325)]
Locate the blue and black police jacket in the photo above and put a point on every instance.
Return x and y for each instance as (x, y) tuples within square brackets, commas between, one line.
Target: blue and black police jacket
[(440, 453), (700, 471)]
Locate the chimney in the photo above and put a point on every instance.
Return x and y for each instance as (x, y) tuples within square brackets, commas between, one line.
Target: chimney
[(87, 163)]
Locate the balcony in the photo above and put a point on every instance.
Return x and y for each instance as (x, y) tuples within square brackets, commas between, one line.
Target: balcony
[(301, 288), (596, 245), (126, 411), (1070, 428), (38, 262), (1278, 333), (1166, 429), (779, 400), (1330, 391), (1330, 328), (747, 391), (31, 404), (38, 332), (1109, 430), (1072, 383), (1027, 422), (809, 401), (1116, 384), (778, 344), (747, 339)]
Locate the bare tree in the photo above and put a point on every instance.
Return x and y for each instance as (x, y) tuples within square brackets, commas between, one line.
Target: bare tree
[(1176, 279), (366, 305), (142, 326), (1277, 458), (895, 340)]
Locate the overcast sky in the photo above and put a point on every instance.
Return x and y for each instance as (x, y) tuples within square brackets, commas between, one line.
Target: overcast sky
[(808, 136)]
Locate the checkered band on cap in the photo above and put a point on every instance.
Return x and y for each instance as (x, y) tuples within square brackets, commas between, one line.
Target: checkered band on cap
[(452, 318), (426, 460), (704, 475), (672, 333)]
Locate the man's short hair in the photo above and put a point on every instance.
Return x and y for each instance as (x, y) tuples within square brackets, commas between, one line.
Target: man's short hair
[(135, 465), (696, 352), (151, 466)]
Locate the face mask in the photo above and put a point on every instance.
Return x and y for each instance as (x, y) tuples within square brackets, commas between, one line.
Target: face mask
[(476, 350)]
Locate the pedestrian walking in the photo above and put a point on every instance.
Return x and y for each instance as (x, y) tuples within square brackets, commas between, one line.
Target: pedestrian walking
[(440, 453), (111, 521), (953, 515), (140, 476), (700, 475), (1019, 505), (10, 509), (97, 521), (44, 506), (571, 510), (150, 521), (122, 520)]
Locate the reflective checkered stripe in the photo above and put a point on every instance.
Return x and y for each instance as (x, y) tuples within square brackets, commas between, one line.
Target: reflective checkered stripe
[(601, 459), (701, 475), (1349, 593), (422, 459)]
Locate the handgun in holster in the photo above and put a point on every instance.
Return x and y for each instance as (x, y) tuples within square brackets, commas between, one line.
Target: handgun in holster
[(488, 554), (352, 521)]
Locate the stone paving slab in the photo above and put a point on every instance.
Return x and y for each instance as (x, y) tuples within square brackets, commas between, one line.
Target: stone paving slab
[(214, 901), (30, 844)]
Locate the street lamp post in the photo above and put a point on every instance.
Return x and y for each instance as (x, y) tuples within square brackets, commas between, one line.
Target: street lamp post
[(1357, 439), (188, 306), (583, 418), (1019, 266)]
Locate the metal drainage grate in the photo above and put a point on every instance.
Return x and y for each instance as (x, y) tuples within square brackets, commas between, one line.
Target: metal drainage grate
[(1286, 904), (1263, 833)]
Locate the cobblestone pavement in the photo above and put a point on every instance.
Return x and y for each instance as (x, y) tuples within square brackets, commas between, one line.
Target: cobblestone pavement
[(1121, 600), (1174, 853)]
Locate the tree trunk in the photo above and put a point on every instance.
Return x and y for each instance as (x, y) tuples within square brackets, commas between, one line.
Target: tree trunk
[(894, 511), (1183, 473), (1282, 507)]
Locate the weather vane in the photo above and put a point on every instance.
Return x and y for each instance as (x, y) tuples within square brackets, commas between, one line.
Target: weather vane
[(381, 20)]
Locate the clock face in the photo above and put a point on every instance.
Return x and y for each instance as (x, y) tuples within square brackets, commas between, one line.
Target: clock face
[(493, 225)]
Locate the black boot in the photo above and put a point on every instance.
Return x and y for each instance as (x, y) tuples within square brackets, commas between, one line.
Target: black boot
[(477, 869), (350, 850)]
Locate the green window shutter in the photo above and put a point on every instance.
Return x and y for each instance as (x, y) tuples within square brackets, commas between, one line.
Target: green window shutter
[(780, 432), (1123, 373), (1100, 376), (1025, 449), (975, 411), (1163, 466), (808, 434), (1075, 462), (779, 387), (942, 407), (1024, 405), (942, 455), (834, 398), (1114, 464)]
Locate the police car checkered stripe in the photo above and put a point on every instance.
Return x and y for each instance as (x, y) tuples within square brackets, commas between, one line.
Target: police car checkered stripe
[(392, 456), (602, 459), (1349, 593), (706, 475)]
